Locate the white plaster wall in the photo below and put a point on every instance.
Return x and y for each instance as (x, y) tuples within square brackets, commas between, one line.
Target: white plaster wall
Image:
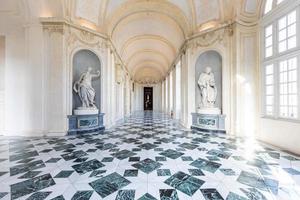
[(157, 98), (247, 82), (163, 100), (138, 97), (119, 101), (16, 99), (22, 76), (282, 134)]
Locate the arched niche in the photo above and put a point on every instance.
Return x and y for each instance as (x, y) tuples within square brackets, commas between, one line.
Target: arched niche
[(214, 60), (81, 61)]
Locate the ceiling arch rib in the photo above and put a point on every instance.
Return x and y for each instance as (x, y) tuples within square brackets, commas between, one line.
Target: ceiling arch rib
[(145, 23), (157, 48), (152, 63), (147, 38), (130, 7), (147, 75), (146, 54)]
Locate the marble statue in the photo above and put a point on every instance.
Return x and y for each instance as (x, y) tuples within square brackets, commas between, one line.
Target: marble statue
[(83, 87), (208, 89)]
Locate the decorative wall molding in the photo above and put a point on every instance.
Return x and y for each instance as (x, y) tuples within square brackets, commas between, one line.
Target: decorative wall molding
[(86, 38), (210, 38), (54, 28)]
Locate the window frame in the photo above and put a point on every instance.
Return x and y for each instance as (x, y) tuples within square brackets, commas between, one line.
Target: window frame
[(272, 18)]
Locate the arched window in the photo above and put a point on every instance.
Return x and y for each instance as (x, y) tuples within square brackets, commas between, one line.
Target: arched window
[(270, 4), (281, 59)]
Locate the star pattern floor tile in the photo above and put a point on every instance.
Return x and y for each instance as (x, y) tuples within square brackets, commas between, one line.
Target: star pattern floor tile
[(147, 157), (147, 165), (185, 183)]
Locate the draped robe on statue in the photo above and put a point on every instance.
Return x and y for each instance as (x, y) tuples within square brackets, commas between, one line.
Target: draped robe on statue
[(85, 90), (208, 89)]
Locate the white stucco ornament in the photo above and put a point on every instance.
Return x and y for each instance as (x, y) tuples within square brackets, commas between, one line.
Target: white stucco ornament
[(83, 87), (208, 92)]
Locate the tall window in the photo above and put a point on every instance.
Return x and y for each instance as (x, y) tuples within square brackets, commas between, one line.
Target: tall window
[(171, 91), (287, 32), (281, 61), (269, 41), (269, 89), (270, 4), (178, 90), (288, 88)]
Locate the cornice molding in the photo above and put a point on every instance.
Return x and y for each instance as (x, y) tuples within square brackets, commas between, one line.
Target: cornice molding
[(86, 36)]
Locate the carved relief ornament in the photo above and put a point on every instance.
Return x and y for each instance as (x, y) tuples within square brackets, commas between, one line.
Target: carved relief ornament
[(210, 38), (53, 28), (88, 39)]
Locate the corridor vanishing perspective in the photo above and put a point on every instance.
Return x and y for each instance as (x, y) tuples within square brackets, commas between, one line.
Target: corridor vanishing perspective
[(147, 157)]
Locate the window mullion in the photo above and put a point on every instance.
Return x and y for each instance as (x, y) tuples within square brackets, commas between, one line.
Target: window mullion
[(298, 84), (276, 90)]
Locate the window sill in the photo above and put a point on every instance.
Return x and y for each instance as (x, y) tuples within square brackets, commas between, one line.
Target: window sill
[(281, 119)]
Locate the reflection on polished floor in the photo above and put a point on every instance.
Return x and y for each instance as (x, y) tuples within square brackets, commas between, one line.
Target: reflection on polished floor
[(146, 157)]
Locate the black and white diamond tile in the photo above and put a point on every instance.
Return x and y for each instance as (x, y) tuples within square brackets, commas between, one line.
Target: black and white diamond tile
[(147, 157)]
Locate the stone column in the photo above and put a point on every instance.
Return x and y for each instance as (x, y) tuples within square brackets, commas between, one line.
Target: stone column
[(55, 97), (2, 82)]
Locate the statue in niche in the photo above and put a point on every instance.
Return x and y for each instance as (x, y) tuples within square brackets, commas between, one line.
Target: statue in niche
[(83, 87), (147, 101), (208, 89)]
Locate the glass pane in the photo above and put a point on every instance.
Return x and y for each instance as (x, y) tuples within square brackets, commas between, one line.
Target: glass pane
[(269, 80), (293, 75), (269, 100), (282, 23), (269, 31), (268, 6), (269, 110), (292, 30), (292, 42), (279, 1), (269, 41), (269, 51), (283, 111), (293, 88), (282, 35), (269, 69), (283, 66), (270, 90), (294, 113), (292, 17), (293, 100), (292, 63), (283, 89), (282, 46)]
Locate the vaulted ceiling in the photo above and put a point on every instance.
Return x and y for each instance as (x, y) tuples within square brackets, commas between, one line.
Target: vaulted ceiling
[(147, 34)]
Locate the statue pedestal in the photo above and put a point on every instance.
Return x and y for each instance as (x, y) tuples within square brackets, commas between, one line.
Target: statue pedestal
[(210, 111), (86, 111), (211, 123), (79, 124)]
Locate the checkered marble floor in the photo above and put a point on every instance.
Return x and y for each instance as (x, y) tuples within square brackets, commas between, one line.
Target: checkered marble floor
[(147, 157)]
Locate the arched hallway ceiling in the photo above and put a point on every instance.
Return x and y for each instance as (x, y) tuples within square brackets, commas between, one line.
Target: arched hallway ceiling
[(147, 34)]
